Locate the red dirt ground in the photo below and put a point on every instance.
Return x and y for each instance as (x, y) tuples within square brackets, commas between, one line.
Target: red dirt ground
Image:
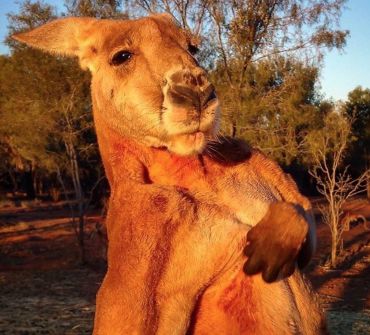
[(45, 290), (345, 291)]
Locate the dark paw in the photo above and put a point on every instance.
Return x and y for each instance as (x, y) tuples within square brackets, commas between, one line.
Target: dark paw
[(275, 244), (272, 261)]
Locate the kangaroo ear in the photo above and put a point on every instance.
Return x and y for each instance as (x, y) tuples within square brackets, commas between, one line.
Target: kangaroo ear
[(67, 36)]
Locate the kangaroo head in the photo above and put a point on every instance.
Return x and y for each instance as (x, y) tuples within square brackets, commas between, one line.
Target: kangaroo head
[(146, 83)]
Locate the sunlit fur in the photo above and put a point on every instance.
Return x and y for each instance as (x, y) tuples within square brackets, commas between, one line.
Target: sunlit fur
[(182, 199)]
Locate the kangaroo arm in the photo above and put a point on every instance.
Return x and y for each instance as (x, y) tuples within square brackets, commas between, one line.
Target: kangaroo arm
[(291, 220), (289, 192), (277, 178)]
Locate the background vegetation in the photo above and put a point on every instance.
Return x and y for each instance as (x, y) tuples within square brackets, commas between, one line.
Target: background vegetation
[(264, 57)]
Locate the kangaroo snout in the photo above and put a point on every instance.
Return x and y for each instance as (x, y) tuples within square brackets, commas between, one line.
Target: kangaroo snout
[(190, 90)]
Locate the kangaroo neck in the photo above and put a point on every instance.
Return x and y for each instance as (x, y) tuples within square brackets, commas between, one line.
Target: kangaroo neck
[(126, 158)]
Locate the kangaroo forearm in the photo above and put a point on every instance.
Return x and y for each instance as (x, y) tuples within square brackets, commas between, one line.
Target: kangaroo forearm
[(289, 192)]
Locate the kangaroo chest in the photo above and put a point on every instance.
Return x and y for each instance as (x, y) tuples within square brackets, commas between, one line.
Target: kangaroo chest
[(238, 187)]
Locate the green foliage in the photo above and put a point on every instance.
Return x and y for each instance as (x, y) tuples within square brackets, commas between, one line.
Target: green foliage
[(357, 107), (96, 8), (278, 104), (330, 139), (45, 106)]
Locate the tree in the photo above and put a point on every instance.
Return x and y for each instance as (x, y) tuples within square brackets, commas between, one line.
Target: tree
[(46, 116), (327, 148), (95, 8), (357, 107), (20, 105), (247, 31), (280, 105)]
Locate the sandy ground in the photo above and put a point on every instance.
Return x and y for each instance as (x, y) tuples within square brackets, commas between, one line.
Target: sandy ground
[(45, 290)]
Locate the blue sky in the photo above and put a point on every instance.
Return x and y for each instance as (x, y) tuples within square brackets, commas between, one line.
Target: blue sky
[(344, 71), (341, 72)]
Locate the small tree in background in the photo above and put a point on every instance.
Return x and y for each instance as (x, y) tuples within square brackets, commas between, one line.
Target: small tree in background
[(357, 107), (327, 148)]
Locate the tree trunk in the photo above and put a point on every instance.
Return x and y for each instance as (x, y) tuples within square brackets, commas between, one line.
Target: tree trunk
[(13, 179), (334, 241), (81, 236), (35, 183), (75, 172), (234, 130), (29, 185), (333, 260)]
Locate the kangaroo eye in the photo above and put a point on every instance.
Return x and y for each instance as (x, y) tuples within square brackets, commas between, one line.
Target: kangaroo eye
[(120, 57), (193, 49)]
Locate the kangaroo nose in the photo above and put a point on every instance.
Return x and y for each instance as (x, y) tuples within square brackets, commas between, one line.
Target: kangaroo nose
[(191, 90), (192, 97)]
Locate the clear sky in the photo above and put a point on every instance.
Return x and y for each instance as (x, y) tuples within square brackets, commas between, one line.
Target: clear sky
[(341, 72), (344, 71)]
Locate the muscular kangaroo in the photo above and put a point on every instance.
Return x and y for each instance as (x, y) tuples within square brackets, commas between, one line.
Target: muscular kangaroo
[(204, 234)]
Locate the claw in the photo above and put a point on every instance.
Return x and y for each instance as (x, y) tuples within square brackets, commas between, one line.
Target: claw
[(253, 266), (271, 274)]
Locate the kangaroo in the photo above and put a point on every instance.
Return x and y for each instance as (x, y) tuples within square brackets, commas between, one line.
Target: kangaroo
[(205, 233)]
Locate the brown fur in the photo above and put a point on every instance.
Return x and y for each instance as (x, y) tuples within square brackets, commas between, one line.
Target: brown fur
[(180, 206)]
